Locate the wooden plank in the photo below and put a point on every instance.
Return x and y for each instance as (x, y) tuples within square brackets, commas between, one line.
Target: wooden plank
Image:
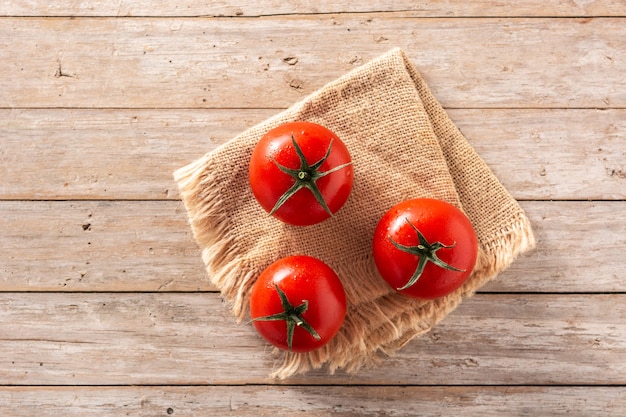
[(540, 154), (108, 154), (147, 246), (448, 8), (593, 230), (187, 339), (270, 61), (131, 154), (91, 246), (313, 401)]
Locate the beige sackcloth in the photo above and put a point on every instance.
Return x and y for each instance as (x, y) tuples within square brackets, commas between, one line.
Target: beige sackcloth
[(403, 145)]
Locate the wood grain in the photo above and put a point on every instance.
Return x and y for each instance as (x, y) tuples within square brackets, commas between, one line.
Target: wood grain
[(314, 401), (270, 61), (95, 246), (108, 154), (191, 338), (131, 154), (147, 246), (188, 8), (104, 303)]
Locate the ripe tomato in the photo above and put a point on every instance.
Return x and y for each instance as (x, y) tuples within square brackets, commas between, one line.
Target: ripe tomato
[(301, 173), (298, 303), (425, 248)]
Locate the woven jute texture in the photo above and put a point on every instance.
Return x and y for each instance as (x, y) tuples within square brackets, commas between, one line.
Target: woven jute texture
[(403, 145)]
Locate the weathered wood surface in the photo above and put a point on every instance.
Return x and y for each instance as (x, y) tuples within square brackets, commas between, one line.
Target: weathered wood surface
[(147, 246), (191, 338), (271, 61), (104, 305), (313, 401), (131, 154), (186, 8)]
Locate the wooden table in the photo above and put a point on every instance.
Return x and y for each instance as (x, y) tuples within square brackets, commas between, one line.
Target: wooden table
[(105, 309)]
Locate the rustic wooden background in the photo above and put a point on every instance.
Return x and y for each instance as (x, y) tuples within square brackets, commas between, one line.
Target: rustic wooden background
[(104, 306)]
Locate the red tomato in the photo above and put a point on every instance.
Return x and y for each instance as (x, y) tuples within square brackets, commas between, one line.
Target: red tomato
[(298, 303), (425, 248), (301, 173)]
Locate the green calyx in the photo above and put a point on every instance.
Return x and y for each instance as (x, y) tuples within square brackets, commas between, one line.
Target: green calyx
[(306, 177), (292, 316), (426, 252)]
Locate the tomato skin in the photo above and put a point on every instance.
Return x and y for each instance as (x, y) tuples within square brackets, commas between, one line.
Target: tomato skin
[(437, 221), (300, 278), (269, 183)]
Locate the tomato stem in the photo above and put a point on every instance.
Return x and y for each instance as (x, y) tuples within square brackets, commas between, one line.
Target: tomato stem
[(306, 177), (426, 252), (296, 319), (292, 315)]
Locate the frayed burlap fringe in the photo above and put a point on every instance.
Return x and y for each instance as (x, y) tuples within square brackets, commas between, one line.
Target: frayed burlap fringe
[(222, 256), (403, 146)]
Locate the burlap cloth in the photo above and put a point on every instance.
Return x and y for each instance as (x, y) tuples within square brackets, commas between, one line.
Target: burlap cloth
[(403, 145)]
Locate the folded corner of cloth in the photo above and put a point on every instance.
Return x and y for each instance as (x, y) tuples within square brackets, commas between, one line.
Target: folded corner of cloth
[(403, 145)]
